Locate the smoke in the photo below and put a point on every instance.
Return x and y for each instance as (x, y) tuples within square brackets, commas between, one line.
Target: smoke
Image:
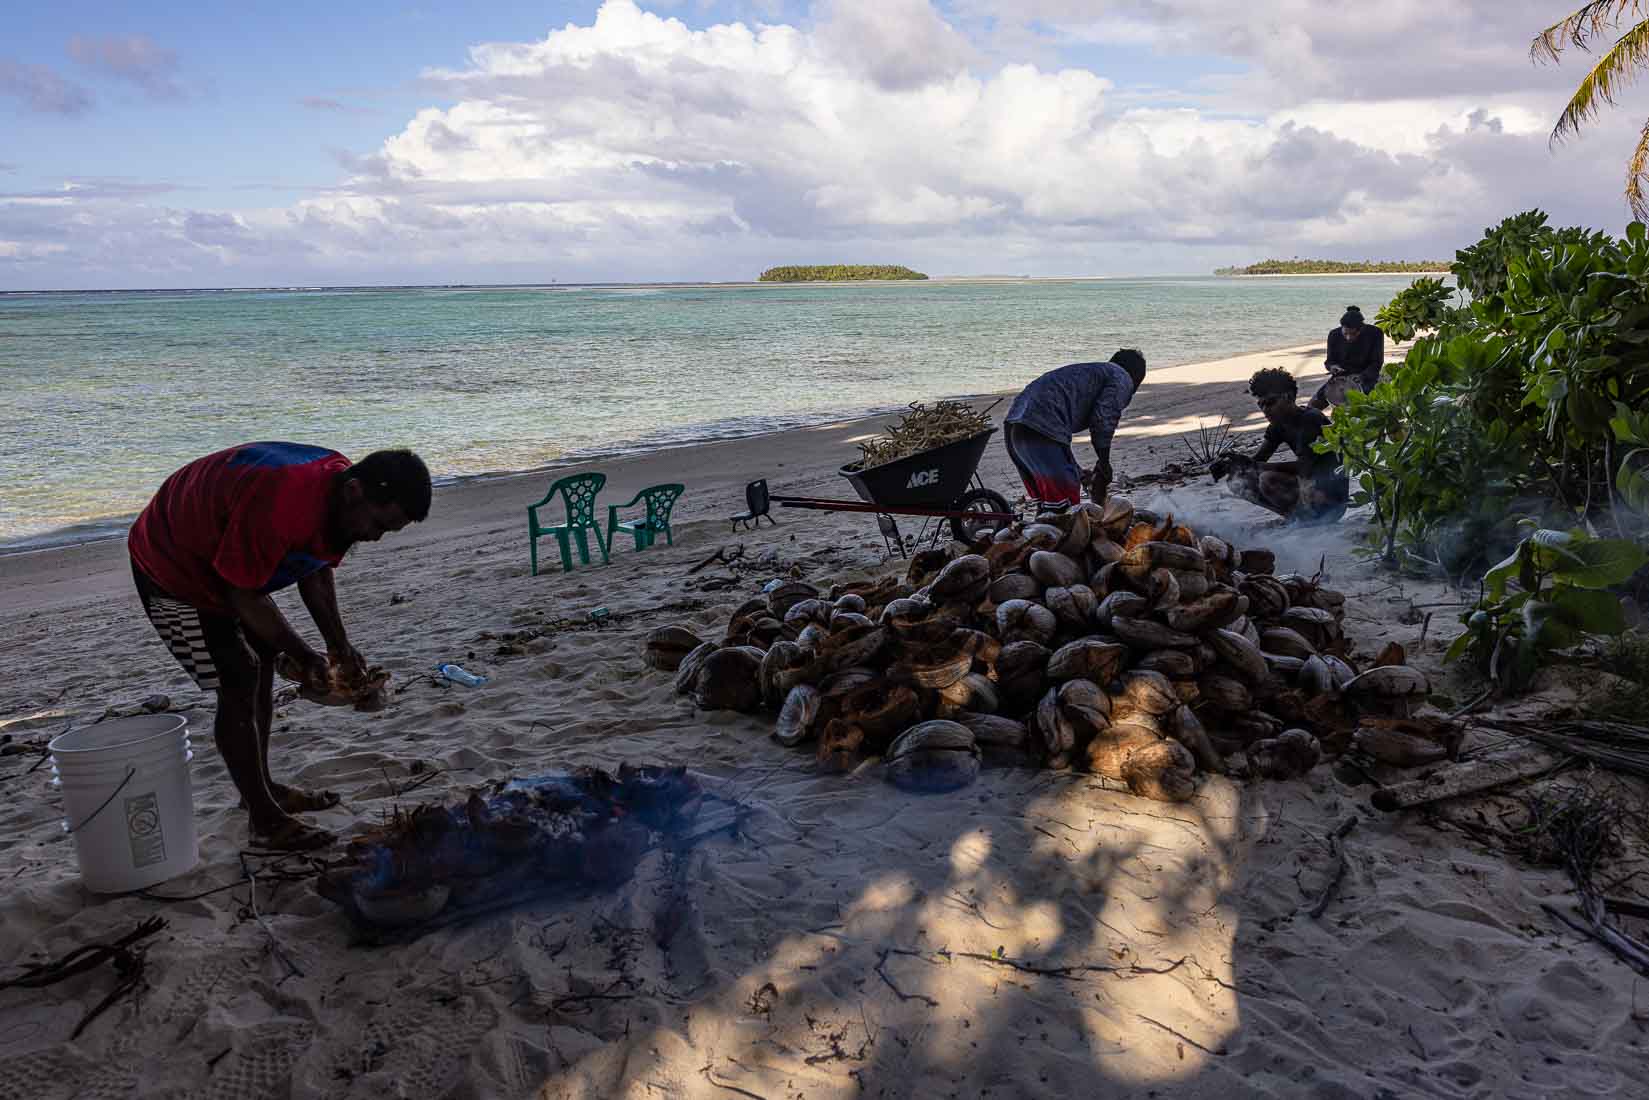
[(1213, 510)]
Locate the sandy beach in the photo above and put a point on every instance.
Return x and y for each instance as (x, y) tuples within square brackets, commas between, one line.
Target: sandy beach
[(846, 939)]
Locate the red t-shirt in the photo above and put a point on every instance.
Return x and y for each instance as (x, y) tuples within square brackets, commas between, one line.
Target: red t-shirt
[(252, 516)]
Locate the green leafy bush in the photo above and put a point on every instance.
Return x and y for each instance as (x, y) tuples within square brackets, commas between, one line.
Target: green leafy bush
[(1423, 306), (1521, 395), (1548, 594)]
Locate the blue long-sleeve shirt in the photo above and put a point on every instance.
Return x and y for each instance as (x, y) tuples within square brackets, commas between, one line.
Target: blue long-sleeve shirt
[(1064, 401)]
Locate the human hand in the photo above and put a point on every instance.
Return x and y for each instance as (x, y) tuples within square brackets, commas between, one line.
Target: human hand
[(315, 672), (1100, 486), (351, 666)]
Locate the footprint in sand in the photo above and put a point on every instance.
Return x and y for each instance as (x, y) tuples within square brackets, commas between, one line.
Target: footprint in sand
[(409, 1050), (260, 1066)]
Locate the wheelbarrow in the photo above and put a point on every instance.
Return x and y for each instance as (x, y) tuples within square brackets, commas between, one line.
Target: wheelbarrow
[(938, 484)]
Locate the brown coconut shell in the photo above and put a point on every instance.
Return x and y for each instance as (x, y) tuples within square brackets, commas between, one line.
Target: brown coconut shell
[(788, 595), (1054, 570), (1162, 772), (932, 757), (1015, 586), (800, 716), (1185, 727), (964, 579), (1148, 634), (840, 744), (687, 672), (665, 647), (1074, 607), (1217, 609), (1087, 659), (1241, 655), (729, 679), (1151, 692), (1108, 751), (1024, 621)]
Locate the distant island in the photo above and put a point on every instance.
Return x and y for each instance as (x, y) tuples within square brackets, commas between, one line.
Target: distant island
[(837, 273), (1337, 267)]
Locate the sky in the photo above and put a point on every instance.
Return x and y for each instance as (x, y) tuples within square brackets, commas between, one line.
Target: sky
[(367, 143)]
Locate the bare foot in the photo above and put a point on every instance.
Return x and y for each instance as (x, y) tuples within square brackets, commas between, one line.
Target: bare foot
[(289, 835), (296, 801)]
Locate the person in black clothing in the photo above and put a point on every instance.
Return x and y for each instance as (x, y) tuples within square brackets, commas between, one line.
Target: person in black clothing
[(1356, 351), (1311, 489)]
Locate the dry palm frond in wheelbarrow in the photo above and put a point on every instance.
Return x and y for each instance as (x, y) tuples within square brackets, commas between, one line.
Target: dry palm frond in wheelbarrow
[(923, 428)]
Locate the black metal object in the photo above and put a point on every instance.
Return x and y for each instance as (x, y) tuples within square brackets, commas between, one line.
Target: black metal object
[(757, 504), (937, 484), (927, 479)]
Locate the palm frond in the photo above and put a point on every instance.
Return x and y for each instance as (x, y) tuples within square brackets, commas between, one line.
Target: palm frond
[(1637, 175), (1589, 21), (1612, 73)]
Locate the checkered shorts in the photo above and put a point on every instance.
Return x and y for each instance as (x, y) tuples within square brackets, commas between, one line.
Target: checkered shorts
[(201, 641)]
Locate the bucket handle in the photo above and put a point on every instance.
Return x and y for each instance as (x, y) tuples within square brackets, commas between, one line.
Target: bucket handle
[(72, 829)]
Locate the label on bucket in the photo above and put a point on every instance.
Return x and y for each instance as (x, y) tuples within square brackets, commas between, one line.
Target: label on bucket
[(143, 829)]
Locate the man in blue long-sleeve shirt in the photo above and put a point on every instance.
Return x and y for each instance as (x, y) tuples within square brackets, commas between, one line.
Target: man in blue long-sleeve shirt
[(1049, 411)]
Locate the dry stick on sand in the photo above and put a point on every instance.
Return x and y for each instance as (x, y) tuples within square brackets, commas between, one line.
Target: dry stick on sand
[(1073, 971), (1336, 845), (881, 961), (710, 1076), (1211, 441)]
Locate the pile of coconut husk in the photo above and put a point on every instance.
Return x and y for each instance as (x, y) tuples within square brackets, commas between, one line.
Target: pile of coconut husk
[(923, 428), (518, 839), (1109, 639)]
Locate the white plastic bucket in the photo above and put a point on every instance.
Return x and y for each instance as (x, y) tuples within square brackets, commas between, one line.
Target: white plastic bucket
[(127, 800)]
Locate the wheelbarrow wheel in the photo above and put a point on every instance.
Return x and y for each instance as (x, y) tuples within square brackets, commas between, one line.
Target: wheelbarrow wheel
[(968, 528)]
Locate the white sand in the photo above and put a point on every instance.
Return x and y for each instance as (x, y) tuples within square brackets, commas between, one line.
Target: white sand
[(818, 952)]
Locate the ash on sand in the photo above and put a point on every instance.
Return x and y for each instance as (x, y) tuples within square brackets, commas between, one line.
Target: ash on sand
[(524, 838)]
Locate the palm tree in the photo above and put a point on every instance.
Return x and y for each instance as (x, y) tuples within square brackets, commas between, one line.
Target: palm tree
[(1615, 69)]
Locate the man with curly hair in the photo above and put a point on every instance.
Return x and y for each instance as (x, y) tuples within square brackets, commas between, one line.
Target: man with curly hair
[(1312, 488), (1052, 409)]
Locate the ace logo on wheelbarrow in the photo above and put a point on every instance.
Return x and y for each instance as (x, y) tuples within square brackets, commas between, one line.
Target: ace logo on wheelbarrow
[(922, 478)]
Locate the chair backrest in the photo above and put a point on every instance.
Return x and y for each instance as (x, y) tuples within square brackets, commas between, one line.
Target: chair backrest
[(660, 500), (755, 498), (579, 493)]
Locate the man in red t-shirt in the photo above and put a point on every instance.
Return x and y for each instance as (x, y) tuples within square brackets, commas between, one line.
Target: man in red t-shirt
[(221, 535)]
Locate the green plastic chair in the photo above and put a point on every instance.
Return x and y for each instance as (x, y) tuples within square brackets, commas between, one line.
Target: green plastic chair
[(579, 493), (660, 500)]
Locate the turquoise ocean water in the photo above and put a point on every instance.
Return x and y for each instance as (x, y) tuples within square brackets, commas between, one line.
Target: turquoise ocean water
[(107, 393)]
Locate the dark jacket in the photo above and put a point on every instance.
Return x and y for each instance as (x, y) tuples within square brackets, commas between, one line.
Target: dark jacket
[(1072, 398), (1363, 357)]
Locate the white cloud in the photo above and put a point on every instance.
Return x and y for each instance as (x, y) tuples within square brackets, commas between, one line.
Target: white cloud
[(41, 89), (134, 58), (638, 147)]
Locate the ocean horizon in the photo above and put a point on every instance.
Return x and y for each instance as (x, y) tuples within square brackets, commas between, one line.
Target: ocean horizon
[(112, 390)]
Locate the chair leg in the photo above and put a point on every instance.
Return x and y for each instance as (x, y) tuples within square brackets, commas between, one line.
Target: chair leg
[(532, 541), (669, 537), (583, 545), (566, 551)]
